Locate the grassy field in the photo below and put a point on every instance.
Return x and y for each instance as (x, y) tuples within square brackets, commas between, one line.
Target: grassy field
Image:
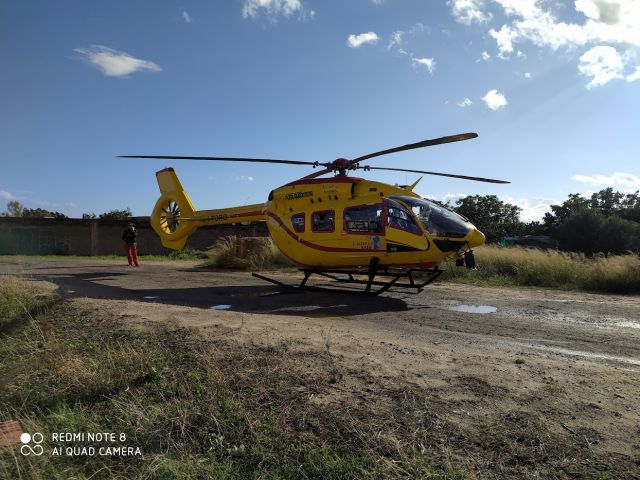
[(516, 266), (496, 266), (196, 408)]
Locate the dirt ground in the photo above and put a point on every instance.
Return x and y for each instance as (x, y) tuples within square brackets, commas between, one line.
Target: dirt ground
[(548, 369)]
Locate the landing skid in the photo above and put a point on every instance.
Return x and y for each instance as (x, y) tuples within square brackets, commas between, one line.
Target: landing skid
[(349, 277)]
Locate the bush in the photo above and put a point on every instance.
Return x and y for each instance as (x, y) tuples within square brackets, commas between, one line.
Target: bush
[(251, 253)]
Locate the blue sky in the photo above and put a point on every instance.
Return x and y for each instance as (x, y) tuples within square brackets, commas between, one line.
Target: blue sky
[(552, 88)]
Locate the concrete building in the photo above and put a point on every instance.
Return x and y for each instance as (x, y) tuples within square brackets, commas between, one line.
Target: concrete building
[(72, 236)]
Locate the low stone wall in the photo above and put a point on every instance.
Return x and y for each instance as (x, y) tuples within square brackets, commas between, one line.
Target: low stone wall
[(71, 236)]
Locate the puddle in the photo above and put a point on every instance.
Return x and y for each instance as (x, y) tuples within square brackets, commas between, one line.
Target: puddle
[(150, 297), (220, 307), (474, 308)]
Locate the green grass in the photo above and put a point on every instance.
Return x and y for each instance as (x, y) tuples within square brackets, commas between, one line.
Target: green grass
[(515, 266), (196, 408)]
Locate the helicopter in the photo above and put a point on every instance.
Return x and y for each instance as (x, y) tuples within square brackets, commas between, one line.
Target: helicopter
[(340, 227)]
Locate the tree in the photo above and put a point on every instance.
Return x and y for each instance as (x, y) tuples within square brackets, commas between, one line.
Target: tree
[(592, 232), (14, 209), (116, 215), (559, 213), (89, 216), (41, 213), (490, 215), (580, 232), (618, 236)]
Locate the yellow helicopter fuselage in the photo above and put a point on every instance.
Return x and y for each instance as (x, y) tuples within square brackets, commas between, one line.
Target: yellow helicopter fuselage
[(332, 223)]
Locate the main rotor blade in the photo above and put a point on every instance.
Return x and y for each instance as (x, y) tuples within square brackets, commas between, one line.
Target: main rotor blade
[(223, 159), (319, 173), (464, 177), (424, 143)]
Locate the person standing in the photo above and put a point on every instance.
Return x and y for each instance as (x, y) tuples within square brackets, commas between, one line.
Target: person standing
[(130, 236)]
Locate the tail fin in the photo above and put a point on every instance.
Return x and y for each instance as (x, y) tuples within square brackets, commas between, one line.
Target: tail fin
[(174, 217), (173, 204)]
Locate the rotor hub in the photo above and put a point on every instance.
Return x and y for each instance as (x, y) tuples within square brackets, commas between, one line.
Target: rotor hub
[(341, 165)]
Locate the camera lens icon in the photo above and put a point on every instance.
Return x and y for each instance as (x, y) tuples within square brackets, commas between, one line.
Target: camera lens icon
[(27, 449)]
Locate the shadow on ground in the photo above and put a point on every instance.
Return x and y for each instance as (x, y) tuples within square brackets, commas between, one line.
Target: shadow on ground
[(253, 298)]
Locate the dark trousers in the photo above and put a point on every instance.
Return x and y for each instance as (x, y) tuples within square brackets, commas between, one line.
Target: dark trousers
[(132, 254)]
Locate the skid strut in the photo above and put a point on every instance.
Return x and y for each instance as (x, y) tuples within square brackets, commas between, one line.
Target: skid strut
[(350, 277)]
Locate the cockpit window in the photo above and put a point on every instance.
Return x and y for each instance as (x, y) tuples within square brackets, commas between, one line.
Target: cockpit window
[(399, 217), (437, 220)]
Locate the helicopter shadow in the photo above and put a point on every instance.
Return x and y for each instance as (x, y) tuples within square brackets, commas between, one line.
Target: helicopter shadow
[(256, 298)]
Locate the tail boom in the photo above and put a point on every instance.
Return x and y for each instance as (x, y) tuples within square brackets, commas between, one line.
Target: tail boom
[(174, 217)]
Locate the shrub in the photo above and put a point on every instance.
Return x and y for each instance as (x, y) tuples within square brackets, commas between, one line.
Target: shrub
[(251, 253)]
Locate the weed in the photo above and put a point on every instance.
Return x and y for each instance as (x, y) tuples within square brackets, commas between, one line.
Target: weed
[(549, 268)]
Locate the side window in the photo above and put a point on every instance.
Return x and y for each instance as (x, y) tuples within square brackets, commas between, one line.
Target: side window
[(297, 221), (399, 217), (322, 221), (363, 219)]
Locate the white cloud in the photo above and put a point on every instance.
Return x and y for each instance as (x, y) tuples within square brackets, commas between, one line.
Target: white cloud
[(396, 40), (356, 41), (244, 178), (634, 76), (504, 38), (6, 195), (485, 56), (532, 209), (399, 37), (469, 11), (527, 74), (623, 180), (429, 63), (274, 9), (114, 63), (464, 103), (602, 64), (495, 100), (187, 18), (613, 22), (450, 198)]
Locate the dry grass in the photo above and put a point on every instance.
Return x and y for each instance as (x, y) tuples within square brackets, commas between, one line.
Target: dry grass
[(514, 266), (21, 298), (550, 268), (254, 253), (196, 408)]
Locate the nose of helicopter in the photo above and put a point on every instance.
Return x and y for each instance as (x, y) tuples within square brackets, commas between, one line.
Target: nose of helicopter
[(475, 238)]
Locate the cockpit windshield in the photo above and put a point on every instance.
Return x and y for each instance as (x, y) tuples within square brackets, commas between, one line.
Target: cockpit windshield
[(437, 220)]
